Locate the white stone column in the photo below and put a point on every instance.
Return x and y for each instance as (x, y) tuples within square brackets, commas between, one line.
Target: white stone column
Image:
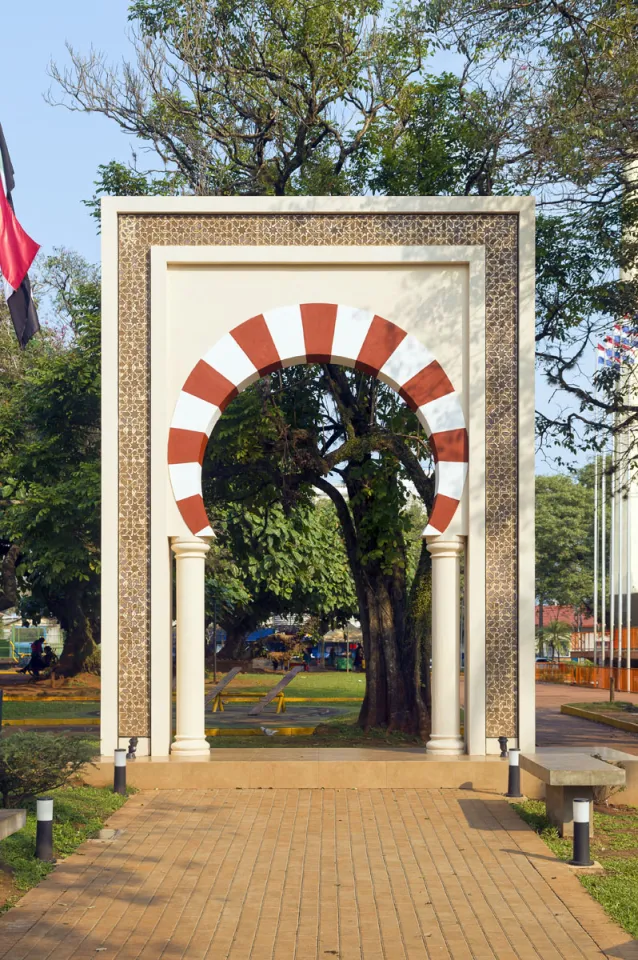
[(190, 734), (445, 737)]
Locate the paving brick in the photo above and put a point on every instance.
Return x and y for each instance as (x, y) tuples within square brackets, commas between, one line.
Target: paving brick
[(308, 874)]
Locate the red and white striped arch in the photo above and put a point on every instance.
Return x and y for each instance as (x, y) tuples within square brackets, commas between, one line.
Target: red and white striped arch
[(317, 333)]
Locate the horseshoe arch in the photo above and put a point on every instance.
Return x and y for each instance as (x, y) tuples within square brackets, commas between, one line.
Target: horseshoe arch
[(317, 333)]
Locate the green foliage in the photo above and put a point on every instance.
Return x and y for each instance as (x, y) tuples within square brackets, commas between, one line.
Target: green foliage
[(79, 813), (117, 180), (264, 97), (267, 560), (50, 458), (556, 634), (437, 141), (32, 763), (564, 543)]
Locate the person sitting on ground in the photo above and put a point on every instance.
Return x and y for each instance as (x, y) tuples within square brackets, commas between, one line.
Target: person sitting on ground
[(49, 658), (36, 663)]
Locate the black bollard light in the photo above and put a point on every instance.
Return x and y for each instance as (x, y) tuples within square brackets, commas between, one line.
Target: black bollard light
[(580, 816), (502, 742), (44, 829), (119, 771), (514, 774)]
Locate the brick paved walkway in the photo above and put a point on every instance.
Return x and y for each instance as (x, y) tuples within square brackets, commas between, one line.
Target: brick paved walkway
[(283, 874)]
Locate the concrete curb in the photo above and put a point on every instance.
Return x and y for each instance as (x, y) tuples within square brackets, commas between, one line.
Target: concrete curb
[(619, 724)]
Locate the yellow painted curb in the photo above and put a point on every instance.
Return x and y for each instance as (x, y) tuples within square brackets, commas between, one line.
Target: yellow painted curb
[(619, 724), (13, 699), (249, 697), (52, 722), (258, 732)]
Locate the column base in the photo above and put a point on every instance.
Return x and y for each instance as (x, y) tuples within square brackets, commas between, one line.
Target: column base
[(190, 748), (445, 746)]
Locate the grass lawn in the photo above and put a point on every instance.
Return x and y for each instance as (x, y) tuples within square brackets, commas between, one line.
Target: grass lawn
[(78, 814), (311, 685), (34, 710), (605, 706), (614, 845)]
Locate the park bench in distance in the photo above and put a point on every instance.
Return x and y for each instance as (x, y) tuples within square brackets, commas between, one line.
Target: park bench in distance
[(569, 775), (278, 692)]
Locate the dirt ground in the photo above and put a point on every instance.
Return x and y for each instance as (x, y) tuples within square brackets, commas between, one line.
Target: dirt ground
[(84, 685)]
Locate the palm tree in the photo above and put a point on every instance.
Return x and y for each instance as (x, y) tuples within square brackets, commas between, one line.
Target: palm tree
[(558, 634)]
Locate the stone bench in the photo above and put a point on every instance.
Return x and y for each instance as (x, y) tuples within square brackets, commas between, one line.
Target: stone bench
[(568, 775), (11, 821)]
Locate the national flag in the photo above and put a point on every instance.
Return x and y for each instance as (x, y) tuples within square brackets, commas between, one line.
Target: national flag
[(17, 252)]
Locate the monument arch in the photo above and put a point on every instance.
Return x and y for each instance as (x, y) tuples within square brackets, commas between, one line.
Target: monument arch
[(452, 276)]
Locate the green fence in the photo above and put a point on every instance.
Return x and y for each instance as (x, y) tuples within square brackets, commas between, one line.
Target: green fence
[(15, 641)]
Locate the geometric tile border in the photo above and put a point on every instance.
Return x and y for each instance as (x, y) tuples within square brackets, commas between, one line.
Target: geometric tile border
[(498, 233)]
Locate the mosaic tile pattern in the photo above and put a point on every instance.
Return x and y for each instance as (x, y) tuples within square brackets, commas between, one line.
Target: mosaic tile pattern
[(499, 234)]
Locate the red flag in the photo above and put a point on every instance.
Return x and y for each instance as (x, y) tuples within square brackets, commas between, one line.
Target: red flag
[(17, 249)]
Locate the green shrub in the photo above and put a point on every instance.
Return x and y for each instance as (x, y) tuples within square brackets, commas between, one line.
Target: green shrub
[(32, 763)]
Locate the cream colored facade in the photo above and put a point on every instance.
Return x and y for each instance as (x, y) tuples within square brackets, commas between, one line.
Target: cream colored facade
[(170, 295)]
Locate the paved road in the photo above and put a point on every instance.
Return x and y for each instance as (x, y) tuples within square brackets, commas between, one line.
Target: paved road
[(313, 875), (554, 728)]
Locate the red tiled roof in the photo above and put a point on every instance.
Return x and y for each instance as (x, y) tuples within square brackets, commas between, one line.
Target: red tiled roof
[(567, 615)]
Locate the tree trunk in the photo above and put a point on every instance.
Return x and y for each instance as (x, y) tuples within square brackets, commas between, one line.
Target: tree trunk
[(392, 625), (397, 673), (8, 578), (234, 647), (417, 652), (79, 644)]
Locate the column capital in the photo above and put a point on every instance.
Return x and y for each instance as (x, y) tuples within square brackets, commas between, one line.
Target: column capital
[(188, 547), (442, 546)]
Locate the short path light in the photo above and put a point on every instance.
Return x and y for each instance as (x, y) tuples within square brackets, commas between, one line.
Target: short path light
[(44, 829), (514, 774), (580, 853), (119, 771)]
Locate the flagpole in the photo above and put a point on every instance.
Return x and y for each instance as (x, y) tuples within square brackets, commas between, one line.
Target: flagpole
[(595, 559), (628, 576), (620, 558), (603, 570), (612, 560)]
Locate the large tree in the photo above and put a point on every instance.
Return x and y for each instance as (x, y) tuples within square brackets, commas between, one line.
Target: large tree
[(304, 427), (564, 542), (275, 97), (267, 560), (262, 97), (567, 75), (49, 459)]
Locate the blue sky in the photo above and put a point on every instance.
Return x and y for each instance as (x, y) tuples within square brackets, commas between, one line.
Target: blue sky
[(56, 153)]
